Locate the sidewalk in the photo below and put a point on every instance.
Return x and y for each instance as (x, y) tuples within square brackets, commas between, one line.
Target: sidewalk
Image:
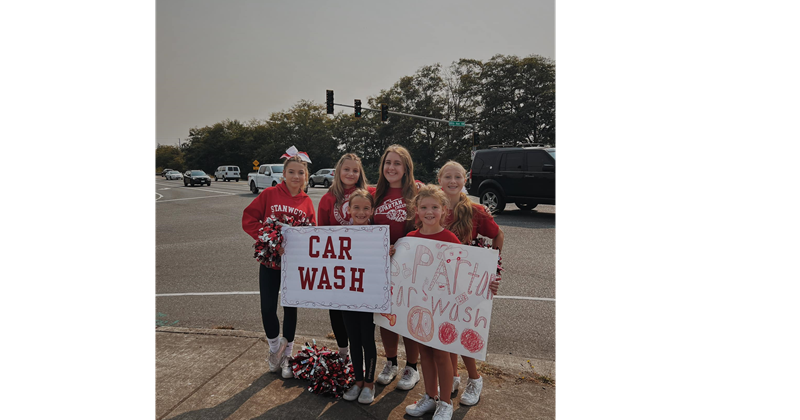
[(222, 374)]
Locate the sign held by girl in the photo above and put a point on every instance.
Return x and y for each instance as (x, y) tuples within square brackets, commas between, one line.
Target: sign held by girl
[(336, 267), (441, 296)]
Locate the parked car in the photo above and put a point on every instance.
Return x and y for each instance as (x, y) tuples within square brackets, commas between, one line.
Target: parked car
[(196, 176), (164, 172), (525, 176), (174, 175), (227, 173), (322, 176)]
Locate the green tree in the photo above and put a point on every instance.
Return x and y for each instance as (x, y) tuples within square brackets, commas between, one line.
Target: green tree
[(169, 157)]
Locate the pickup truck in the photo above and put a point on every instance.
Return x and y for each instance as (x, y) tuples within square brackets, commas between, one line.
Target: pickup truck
[(268, 175)]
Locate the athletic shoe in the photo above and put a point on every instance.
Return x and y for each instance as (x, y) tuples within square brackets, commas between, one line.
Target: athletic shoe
[(419, 408), (388, 374), (276, 359), (456, 384), (366, 396), (286, 368), (472, 394), (409, 379), (444, 411), (352, 393)]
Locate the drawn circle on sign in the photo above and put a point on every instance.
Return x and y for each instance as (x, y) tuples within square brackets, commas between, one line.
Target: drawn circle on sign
[(447, 333), (420, 324), (472, 341)]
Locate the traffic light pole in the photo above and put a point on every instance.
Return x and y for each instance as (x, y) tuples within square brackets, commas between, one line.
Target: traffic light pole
[(404, 114)]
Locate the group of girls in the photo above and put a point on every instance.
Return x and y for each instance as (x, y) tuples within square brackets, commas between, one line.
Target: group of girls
[(440, 212)]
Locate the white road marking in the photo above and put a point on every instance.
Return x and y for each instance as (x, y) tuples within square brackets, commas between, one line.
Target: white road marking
[(158, 200), (255, 293), (193, 198), (159, 196)]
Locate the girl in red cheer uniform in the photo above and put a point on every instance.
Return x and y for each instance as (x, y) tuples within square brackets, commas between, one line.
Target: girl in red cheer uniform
[(466, 220), (360, 325), (285, 198), (396, 188), (348, 175), (428, 210)]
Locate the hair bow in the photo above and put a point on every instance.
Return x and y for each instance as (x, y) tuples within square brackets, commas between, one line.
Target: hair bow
[(292, 151)]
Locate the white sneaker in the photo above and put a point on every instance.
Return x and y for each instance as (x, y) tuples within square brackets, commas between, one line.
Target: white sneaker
[(472, 394), (388, 373), (456, 384), (419, 408), (409, 379), (352, 393), (366, 396), (444, 411), (276, 359), (286, 368)]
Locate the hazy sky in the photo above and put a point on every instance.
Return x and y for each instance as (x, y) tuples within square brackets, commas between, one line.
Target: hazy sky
[(244, 59)]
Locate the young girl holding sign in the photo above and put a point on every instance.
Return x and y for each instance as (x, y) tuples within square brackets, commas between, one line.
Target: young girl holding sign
[(285, 198), (360, 325), (467, 219), (395, 190), (428, 211), (348, 175)]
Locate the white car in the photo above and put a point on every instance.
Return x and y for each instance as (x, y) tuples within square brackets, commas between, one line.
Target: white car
[(174, 175)]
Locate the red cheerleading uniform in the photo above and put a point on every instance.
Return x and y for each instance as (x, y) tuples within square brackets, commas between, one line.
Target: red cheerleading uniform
[(330, 214), (392, 211), (276, 201), (443, 236)]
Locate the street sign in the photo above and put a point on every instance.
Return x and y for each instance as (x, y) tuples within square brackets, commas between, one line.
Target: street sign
[(255, 163), (255, 168), (457, 124)]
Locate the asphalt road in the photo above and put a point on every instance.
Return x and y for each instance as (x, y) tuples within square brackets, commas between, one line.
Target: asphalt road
[(201, 248)]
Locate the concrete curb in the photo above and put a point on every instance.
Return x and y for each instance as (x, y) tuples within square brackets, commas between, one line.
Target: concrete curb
[(514, 365)]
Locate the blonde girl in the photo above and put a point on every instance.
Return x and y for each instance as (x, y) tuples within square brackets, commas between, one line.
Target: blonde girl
[(466, 220), (285, 198), (360, 325), (332, 211), (429, 211)]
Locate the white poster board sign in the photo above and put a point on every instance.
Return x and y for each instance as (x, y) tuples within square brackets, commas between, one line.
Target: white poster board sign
[(441, 296), (336, 267)]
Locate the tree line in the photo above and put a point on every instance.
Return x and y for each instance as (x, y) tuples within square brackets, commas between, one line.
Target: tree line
[(507, 99)]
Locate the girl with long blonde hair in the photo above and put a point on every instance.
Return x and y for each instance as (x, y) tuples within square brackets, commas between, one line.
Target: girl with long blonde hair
[(467, 220), (332, 211)]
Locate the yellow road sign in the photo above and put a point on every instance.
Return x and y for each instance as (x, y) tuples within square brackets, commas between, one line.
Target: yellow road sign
[(255, 163)]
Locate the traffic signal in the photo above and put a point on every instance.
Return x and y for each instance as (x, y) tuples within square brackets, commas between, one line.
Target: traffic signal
[(384, 112), (358, 108), (329, 96)]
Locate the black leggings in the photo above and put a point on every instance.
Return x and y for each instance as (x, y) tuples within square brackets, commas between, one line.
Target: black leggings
[(361, 330), (339, 330), (269, 284)]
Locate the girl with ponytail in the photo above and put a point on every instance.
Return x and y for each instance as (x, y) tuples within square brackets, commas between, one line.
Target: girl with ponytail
[(466, 220)]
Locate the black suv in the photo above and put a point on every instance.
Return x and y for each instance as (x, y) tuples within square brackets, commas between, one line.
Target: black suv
[(525, 176)]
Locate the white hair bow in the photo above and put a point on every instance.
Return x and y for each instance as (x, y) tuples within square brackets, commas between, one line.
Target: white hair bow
[(292, 151)]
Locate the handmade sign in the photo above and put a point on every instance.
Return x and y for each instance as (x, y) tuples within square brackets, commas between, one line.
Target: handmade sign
[(336, 267), (441, 296)]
